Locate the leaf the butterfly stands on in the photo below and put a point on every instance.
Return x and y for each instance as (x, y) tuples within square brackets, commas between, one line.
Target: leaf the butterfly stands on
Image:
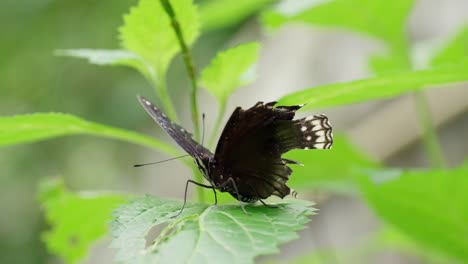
[(248, 161)]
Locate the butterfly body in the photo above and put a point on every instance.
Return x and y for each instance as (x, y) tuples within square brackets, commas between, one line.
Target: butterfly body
[(248, 161)]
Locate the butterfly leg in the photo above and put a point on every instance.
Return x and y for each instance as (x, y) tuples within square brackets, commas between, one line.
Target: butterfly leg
[(268, 205), (185, 194), (265, 204), (234, 185)]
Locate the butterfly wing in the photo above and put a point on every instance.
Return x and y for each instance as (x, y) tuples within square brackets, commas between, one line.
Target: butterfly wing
[(253, 141), (179, 134)]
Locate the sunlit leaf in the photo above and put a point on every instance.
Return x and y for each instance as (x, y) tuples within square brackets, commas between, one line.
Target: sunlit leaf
[(215, 14), (147, 31), (430, 207), (34, 127), (203, 233), (77, 220), (332, 169), (381, 87), (229, 70)]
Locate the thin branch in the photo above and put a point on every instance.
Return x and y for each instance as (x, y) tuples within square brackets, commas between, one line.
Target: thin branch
[(161, 90), (430, 139), (188, 63), (217, 126)]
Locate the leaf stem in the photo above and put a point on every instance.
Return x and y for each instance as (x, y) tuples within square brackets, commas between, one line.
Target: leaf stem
[(188, 64), (198, 177), (217, 126), (430, 140), (161, 90)]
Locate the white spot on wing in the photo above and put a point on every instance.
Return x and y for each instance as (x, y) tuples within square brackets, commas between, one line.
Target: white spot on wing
[(304, 128), (306, 147), (319, 145), (308, 138), (315, 122), (316, 128), (320, 133), (320, 139), (146, 102)]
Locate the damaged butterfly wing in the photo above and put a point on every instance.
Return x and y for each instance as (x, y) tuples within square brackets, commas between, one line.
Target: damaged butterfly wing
[(253, 141)]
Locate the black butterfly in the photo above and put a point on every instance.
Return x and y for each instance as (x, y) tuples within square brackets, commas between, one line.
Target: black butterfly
[(247, 162)]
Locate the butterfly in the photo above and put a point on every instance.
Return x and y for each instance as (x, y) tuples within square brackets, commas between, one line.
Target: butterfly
[(247, 162)]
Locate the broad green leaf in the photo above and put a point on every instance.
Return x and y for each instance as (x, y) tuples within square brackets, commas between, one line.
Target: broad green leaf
[(383, 20), (229, 70), (454, 51), (430, 207), (203, 233), (381, 87), (41, 126), (332, 169), (77, 220), (147, 31), (215, 14)]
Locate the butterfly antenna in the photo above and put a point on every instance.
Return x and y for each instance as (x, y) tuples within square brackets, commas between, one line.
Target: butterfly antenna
[(203, 129), (161, 161)]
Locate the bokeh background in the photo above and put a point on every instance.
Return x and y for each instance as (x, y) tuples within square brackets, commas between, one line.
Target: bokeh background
[(297, 56)]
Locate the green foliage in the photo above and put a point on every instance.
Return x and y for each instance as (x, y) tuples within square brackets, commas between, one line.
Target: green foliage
[(384, 20), (454, 51), (216, 14), (77, 220), (320, 168), (147, 32), (429, 206), (229, 70), (40, 126), (202, 233), (383, 86)]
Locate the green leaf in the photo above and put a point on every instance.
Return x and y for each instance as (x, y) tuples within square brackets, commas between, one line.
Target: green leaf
[(77, 219), (431, 207), (454, 51), (203, 233), (229, 70), (215, 14), (40, 126), (381, 87), (332, 169), (147, 31), (384, 20)]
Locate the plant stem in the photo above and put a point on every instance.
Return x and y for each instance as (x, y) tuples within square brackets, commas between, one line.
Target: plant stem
[(430, 140), (161, 90), (188, 64), (217, 126), (198, 177)]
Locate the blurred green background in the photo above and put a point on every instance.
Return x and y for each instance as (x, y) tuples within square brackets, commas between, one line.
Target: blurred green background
[(32, 79)]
